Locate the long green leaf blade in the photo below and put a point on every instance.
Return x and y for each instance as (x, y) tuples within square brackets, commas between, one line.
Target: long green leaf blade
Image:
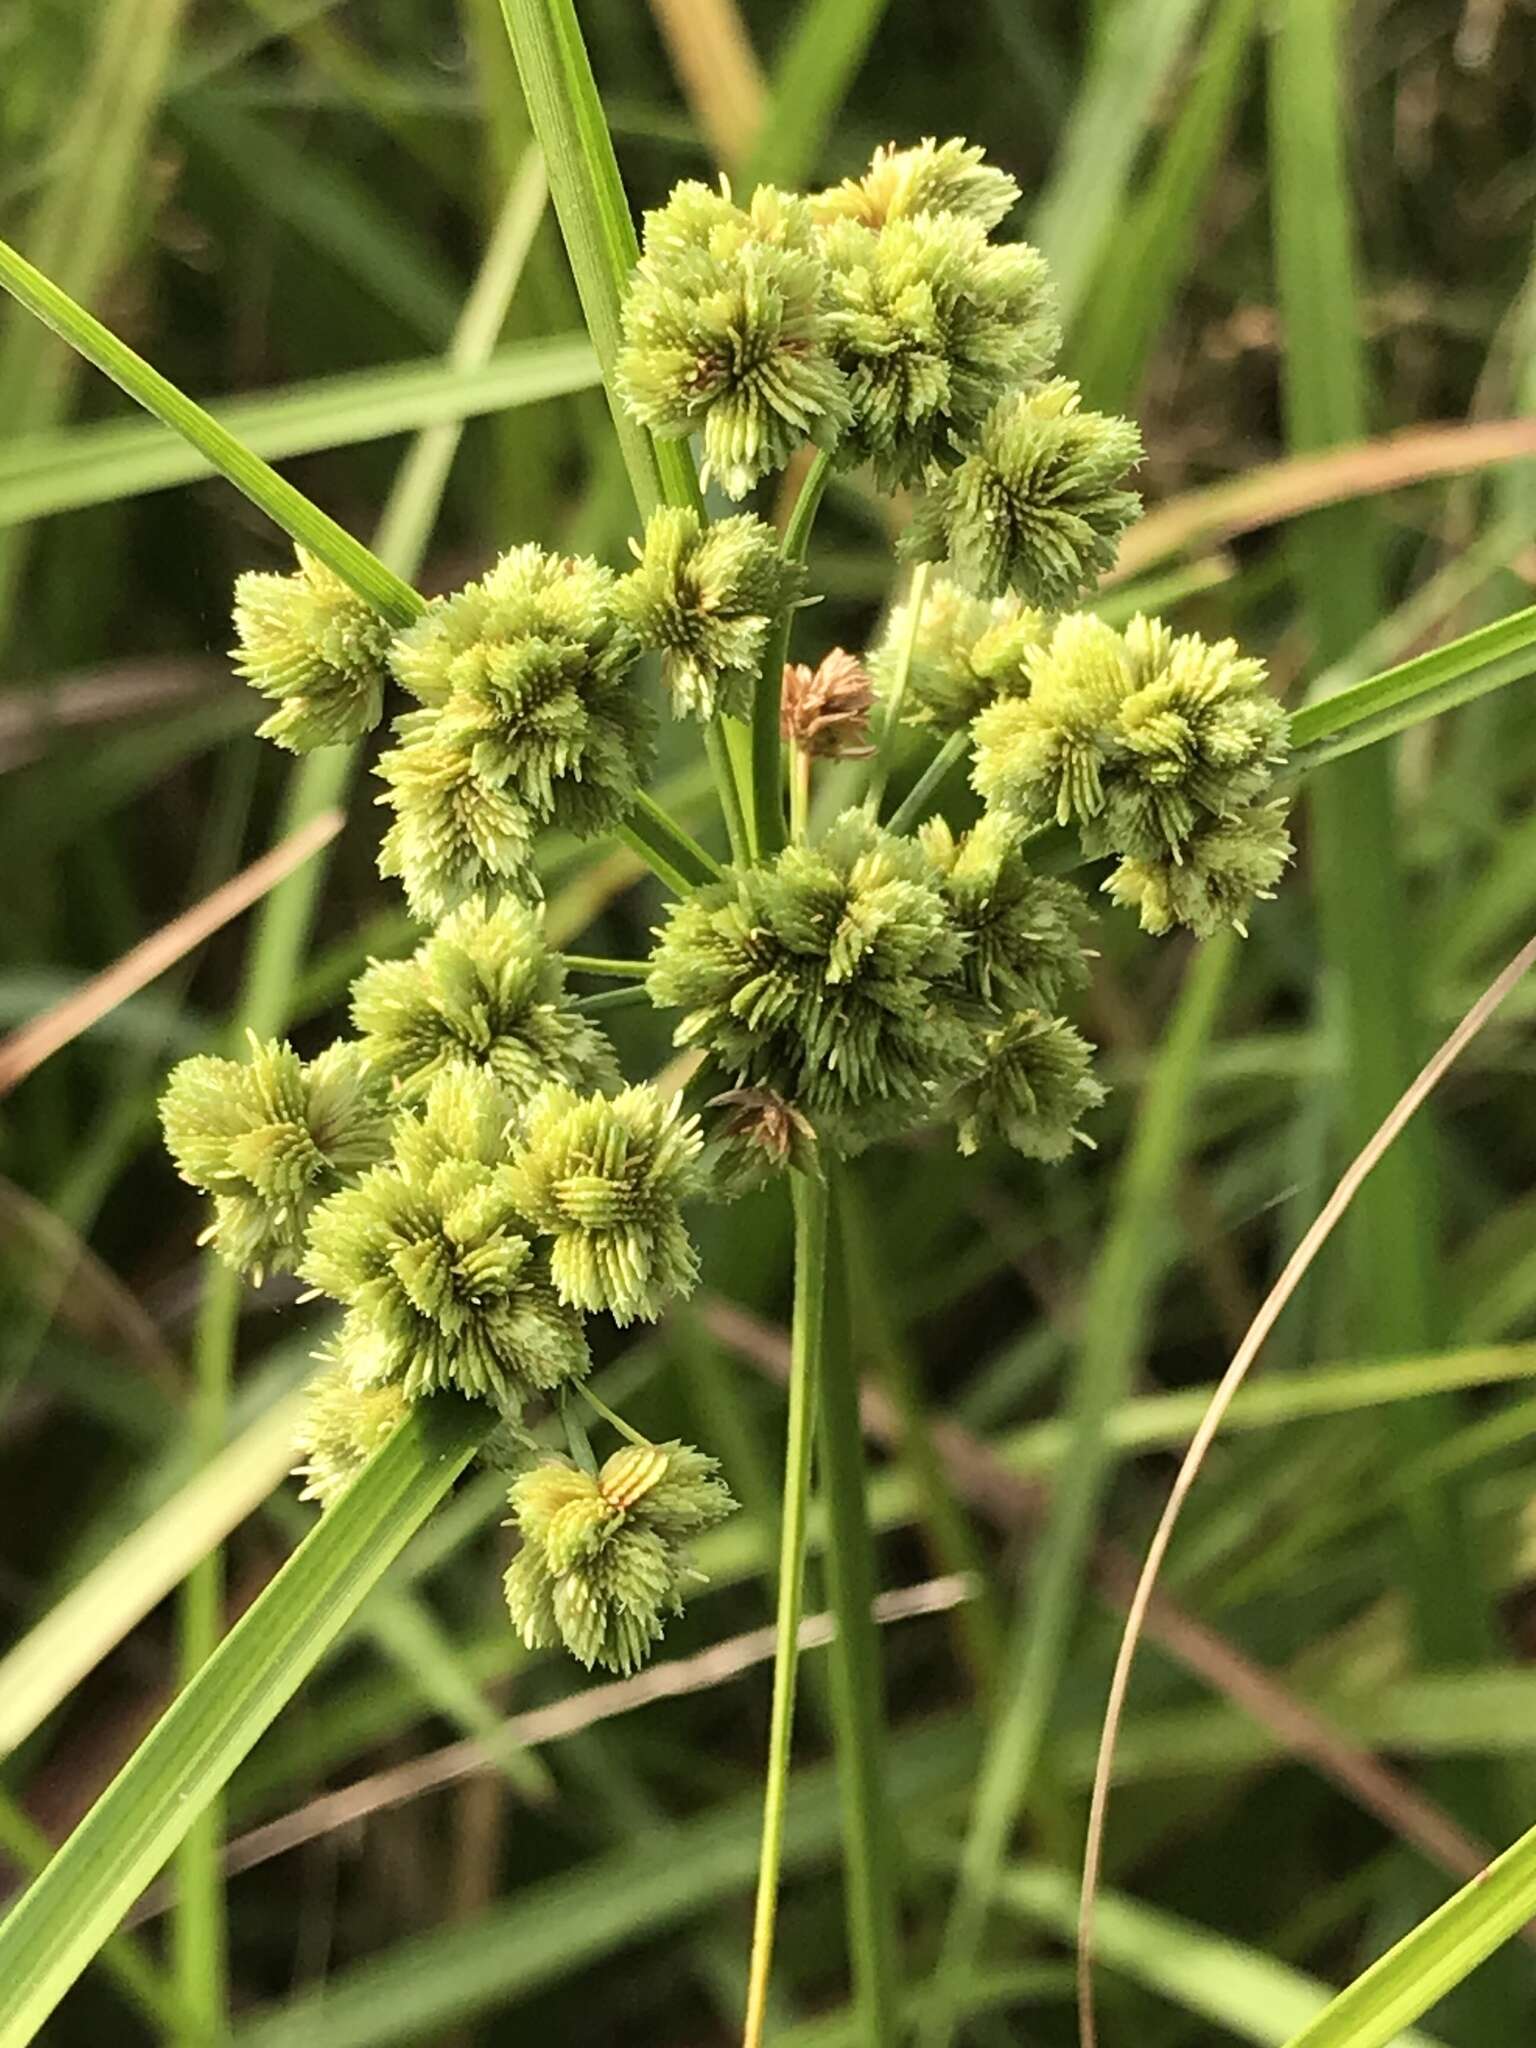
[(261, 483), (62, 1920)]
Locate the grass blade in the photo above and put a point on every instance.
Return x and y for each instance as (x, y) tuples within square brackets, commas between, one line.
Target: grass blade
[(259, 482), (62, 1920), (96, 465), (1439, 1954)]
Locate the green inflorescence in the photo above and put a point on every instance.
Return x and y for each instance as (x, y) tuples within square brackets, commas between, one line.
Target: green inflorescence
[(705, 599), (311, 644), (484, 991), (468, 1180), (603, 1560), (1158, 748), (1036, 504), (268, 1138), (529, 717)]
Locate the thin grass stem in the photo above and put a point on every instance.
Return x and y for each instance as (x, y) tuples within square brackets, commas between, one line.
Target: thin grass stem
[(810, 1198), (767, 812), (890, 731)]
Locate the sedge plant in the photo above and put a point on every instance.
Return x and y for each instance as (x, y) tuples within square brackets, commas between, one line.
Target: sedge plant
[(468, 1181)]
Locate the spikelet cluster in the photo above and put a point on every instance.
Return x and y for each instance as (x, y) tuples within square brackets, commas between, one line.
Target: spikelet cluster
[(268, 1137), (1037, 503), (603, 1560), (1023, 931), (930, 321), (951, 177), (606, 1178), (529, 718), (436, 1267), (342, 1426), (966, 653), (726, 332), (483, 992), (314, 647), (1033, 1090), (1158, 748), (704, 599)]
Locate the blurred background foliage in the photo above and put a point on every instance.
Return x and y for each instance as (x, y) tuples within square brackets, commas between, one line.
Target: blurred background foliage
[(1275, 228)]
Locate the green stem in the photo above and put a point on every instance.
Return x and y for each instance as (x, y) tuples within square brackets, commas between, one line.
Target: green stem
[(611, 1415), (663, 845), (890, 730), (857, 1704), (811, 1204), (914, 805), (766, 818), (593, 963), (599, 233), (612, 999), (291, 510)]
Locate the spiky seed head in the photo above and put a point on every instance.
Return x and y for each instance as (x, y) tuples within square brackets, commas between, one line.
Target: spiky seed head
[(725, 332), (1213, 879), (1044, 757), (268, 1137), (950, 177), (1025, 931), (341, 1428), (968, 652), (1038, 502), (484, 991), (824, 711), (827, 978), (603, 1561), (704, 598), (529, 718), (437, 1268), (455, 834), (309, 643), (606, 1179), (1202, 736), (931, 324), (1034, 1090)]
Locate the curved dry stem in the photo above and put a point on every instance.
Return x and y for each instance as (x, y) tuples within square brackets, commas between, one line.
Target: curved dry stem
[(1403, 1110)]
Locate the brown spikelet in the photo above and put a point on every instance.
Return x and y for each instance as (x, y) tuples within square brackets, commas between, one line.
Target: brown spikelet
[(825, 710)]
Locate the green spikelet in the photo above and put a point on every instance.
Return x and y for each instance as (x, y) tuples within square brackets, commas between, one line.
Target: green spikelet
[(931, 323), (704, 598), (1148, 742), (827, 978), (1043, 757), (1025, 931), (1037, 503), (436, 1267), (725, 332), (606, 1178), (455, 834), (530, 718), (1214, 878), (603, 1562), (268, 1137), (968, 653), (932, 177), (1034, 1091), (483, 991), (342, 1427), (310, 644)]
